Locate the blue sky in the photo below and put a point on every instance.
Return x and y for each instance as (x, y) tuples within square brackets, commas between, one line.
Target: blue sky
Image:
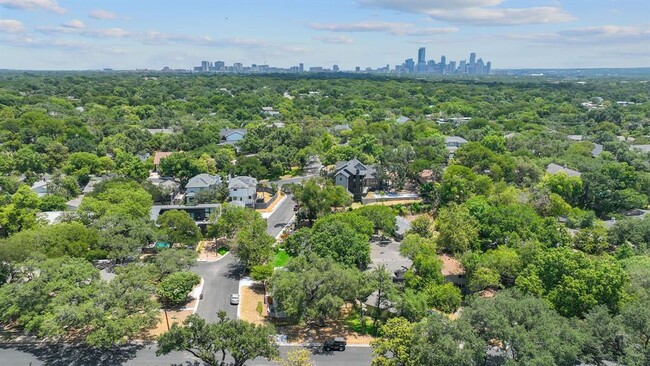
[(91, 34)]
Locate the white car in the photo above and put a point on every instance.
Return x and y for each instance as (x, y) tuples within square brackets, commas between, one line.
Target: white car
[(234, 299)]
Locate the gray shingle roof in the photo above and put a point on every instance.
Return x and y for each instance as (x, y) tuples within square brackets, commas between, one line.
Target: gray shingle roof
[(242, 182), (203, 181), (553, 168), (229, 131)]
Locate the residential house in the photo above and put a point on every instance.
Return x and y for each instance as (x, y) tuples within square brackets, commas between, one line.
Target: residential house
[(199, 183), (403, 226), (553, 168), (164, 131), (269, 111), (453, 143), (232, 135), (426, 176), (641, 148), (94, 180), (402, 119), (341, 128), (243, 189), (199, 213), (40, 187), (576, 138), (356, 177), (453, 270), (157, 156), (597, 150)]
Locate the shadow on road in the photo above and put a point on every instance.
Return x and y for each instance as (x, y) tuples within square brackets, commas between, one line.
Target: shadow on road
[(235, 270), (69, 355)]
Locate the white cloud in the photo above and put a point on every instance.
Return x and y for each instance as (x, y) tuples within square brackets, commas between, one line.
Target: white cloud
[(478, 12), (50, 5), (599, 35), (96, 33), (75, 24), (102, 14), (511, 16), (334, 39), (394, 28), (11, 26)]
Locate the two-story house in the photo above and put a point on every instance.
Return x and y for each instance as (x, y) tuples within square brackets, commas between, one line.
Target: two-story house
[(243, 190), (199, 183), (356, 177)]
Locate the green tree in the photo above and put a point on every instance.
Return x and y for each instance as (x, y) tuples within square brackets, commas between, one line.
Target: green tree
[(422, 226), (179, 227), (458, 230), (253, 246), (382, 217), (313, 288), (173, 289), (242, 340), (394, 346)]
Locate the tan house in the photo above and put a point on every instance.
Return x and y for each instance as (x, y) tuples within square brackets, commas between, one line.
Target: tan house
[(453, 270)]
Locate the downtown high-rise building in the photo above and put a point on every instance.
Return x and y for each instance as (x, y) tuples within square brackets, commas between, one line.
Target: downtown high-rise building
[(422, 60)]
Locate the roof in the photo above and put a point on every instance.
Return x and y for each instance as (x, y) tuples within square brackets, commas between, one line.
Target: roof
[(348, 168), (575, 137), (455, 139), (166, 131), (598, 149), (426, 174), (158, 155), (52, 217), (345, 127), (91, 184), (203, 181), (642, 148), (403, 225), (451, 266), (229, 131), (553, 168), (242, 182), (39, 184), (402, 119), (154, 212), (74, 203)]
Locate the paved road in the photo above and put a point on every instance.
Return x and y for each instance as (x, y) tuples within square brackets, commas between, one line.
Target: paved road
[(221, 280), (145, 355), (280, 217)]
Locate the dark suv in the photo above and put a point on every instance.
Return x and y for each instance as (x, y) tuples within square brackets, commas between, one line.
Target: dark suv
[(336, 344)]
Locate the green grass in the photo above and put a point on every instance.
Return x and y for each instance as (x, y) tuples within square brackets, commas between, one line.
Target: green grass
[(281, 258), (222, 250), (353, 322)]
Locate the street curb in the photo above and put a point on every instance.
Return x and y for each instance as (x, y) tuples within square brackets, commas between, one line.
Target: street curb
[(214, 261)]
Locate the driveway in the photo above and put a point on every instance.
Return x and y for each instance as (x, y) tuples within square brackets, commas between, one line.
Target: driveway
[(386, 253)]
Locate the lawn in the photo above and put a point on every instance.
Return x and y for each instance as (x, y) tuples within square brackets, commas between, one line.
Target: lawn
[(353, 322), (281, 258), (222, 250)]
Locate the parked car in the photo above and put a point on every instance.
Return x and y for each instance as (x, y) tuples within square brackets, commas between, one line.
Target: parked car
[(234, 299), (336, 344)]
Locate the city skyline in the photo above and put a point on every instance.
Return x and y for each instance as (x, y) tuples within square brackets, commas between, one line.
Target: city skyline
[(77, 34), (423, 66)]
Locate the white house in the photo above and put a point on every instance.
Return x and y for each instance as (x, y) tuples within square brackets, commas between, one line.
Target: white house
[(232, 135), (243, 189)]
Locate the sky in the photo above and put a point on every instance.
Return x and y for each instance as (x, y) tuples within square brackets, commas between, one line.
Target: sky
[(137, 34)]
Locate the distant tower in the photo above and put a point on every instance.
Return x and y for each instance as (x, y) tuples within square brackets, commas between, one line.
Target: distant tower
[(443, 64), (471, 68), (488, 66), (410, 65), (301, 66), (422, 63), (335, 68)]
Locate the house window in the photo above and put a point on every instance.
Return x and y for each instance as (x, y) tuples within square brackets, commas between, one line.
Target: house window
[(250, 197), (234, 190)]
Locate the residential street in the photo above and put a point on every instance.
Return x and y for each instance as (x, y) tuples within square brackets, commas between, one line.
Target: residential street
[(145, 355), (280, 217), (221, 280)]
